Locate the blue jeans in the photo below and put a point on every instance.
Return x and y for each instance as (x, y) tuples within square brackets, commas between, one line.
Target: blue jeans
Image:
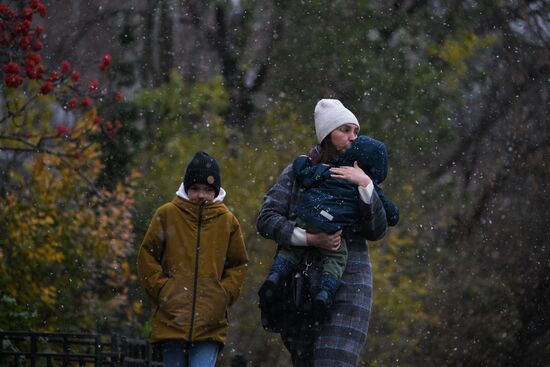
[(201, 354)]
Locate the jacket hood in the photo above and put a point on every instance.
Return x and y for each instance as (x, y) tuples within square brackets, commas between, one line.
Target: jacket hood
[(208, 210), (370, 154)]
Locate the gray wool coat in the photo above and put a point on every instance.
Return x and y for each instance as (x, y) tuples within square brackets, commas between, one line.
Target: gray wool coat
[(340, 341)]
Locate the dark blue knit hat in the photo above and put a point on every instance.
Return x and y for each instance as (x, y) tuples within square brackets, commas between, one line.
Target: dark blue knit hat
[(202, 169)]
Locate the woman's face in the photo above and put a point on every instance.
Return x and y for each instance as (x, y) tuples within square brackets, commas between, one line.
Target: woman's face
[(343, 136)]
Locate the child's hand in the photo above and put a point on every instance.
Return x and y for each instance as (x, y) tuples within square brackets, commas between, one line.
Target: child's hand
[(324, 240), (352, 174)]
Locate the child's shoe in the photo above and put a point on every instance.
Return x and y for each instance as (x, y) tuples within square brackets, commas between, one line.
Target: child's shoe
[(280, 269), (323, 300), (270, 287)]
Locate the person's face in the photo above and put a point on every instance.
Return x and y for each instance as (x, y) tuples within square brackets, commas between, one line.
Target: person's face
[(201, 192), (343, 136)]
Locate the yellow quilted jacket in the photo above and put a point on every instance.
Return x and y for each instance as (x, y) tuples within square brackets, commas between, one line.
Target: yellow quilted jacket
[(192, 264)]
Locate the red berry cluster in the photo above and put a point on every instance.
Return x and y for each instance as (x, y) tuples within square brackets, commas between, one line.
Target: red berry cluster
[(20, 60), (20, 42)]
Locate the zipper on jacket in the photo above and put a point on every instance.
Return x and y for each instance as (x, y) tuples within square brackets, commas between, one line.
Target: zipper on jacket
[(196, 278)]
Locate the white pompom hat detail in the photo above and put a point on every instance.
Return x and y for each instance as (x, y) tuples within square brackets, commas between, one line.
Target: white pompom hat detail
[(330, 114)]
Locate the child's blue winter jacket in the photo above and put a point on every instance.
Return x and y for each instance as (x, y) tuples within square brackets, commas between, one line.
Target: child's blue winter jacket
[(330, 204)]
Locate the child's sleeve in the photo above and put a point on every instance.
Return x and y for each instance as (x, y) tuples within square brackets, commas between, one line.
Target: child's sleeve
[(235, 264), (309, 174), (149, 259), (301, 167), (392, 211)]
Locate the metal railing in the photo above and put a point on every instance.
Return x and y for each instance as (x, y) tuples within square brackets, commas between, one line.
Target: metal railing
[(22, 349)]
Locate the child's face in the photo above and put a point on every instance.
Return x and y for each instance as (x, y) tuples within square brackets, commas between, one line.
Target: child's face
[(201, 192)]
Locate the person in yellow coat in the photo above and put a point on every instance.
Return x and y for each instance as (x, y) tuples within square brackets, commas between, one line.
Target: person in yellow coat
[(192, 264)]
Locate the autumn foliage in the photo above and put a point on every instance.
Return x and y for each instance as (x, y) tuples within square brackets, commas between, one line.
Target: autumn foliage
[(66, 243), (64, 256)]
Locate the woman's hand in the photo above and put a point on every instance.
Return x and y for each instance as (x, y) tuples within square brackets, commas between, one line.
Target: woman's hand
[(324, 240), (352, 174)]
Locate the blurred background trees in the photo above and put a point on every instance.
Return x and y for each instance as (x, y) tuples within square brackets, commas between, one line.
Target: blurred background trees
[(457, 90)]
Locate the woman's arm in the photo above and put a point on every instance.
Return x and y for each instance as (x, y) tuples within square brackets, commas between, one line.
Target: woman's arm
[(273, 220), (373, 219)]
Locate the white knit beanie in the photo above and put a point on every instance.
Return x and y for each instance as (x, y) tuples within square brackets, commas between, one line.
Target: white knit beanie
[(330, 114)]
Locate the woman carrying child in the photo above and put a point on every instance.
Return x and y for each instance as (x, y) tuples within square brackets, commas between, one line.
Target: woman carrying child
[(341, 339)]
